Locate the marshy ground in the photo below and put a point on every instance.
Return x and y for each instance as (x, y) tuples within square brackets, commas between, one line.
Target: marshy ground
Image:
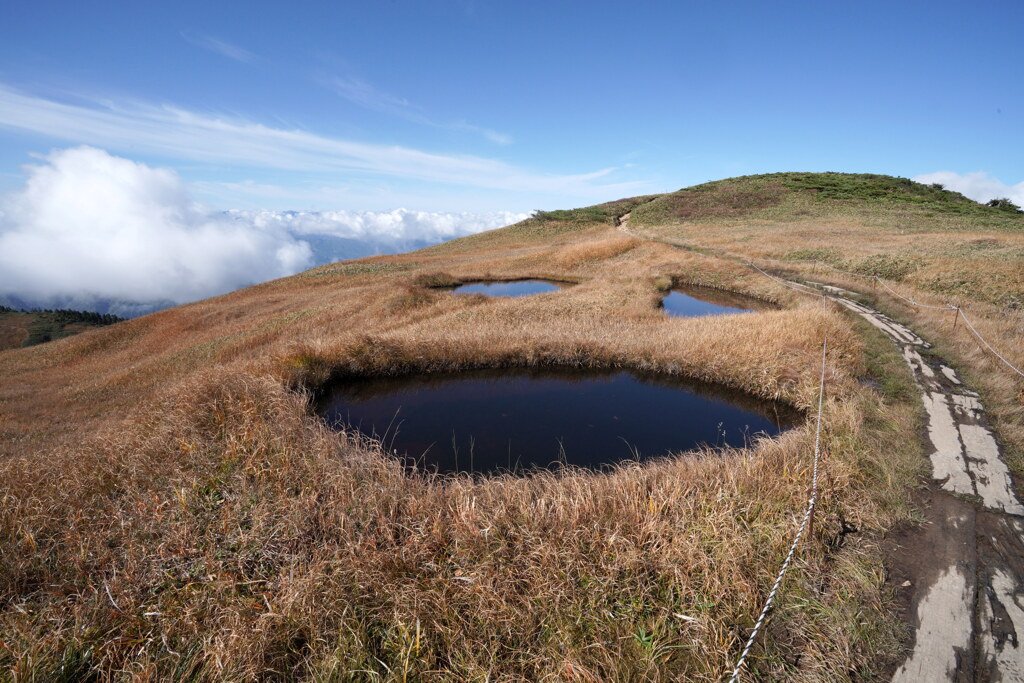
[(174, 508)]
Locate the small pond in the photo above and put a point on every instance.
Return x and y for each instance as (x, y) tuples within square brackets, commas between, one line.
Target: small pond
[(511, 287), (694, 302), (492, 421)]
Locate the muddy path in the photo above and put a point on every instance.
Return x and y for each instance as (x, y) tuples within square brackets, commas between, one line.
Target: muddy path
[(961, 574), (965, 566)]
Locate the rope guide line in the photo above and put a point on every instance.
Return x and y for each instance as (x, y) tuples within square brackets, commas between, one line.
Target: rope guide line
[(912, 302), (813, 500), (795, 286), (811, 503), (944, 307), (978, 335)]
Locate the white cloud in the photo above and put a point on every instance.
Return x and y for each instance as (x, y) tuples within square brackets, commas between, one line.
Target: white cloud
[(365, 95), (89, 228), (221, 47), (91, 225), (492, 135), (979, 186), (182, 134), (398, 227)]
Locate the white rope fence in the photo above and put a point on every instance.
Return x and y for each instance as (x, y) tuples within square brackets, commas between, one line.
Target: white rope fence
[(796, 286), (912, 302), (943, 307), (813, 500), (989, 346), (800, 532)]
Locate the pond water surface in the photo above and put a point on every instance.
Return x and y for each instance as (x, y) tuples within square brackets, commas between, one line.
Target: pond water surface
[(491, 421), (694, 302), (511, 288)]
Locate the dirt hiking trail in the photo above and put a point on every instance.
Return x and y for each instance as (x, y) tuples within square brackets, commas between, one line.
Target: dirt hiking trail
[(968, 597), (964, 568)]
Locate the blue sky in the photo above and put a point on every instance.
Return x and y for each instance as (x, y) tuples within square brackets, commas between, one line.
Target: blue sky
[(472, 105)]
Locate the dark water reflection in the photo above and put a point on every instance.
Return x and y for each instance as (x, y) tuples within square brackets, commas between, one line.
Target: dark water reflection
[(511, 288), (489, 421), (694, 302)]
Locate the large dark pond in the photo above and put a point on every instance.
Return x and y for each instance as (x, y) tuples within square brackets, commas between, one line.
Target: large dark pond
[(490, 421), (694, 302), (511, 288)]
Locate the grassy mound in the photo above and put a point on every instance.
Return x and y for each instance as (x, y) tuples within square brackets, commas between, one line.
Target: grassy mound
[(174, 511), (782, 196)]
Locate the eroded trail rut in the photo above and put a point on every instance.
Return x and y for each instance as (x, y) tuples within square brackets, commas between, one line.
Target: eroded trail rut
[(966, 565), (969, 596)]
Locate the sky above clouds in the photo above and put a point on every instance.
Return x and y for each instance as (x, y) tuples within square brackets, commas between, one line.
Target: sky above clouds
[(99, 232), (463, 112), (479, 105)]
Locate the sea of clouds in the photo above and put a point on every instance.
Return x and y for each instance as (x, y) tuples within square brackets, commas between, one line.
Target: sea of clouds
[(93, 231)]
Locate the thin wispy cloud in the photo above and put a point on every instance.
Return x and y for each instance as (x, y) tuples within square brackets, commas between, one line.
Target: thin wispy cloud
[(187, 135), (221, 47), (325, 194), (492, 135), (365, 95)]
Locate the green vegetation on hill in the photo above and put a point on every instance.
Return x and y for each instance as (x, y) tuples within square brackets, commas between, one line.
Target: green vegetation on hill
[(885, 188), (606, 213), (792, 196), (28, 328)]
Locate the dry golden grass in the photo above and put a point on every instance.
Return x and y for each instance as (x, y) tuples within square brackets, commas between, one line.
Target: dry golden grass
[(965, 264), (13, 330), (599, 250), (171, 509), (980, 270)]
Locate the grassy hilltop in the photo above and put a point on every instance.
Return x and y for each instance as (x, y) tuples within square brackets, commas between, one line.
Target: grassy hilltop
[(926, 236), (172, 509)]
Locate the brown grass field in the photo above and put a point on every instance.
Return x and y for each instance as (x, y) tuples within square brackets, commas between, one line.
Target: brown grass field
[(172, 509)]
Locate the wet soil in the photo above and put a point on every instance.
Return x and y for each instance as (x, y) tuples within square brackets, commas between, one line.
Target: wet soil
[(958, 577)]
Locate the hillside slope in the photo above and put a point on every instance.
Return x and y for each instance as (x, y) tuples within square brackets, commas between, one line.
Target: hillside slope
[(928, 237), (174, 509)]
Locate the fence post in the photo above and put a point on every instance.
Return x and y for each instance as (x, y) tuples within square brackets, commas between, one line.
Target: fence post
[(956, 317)]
